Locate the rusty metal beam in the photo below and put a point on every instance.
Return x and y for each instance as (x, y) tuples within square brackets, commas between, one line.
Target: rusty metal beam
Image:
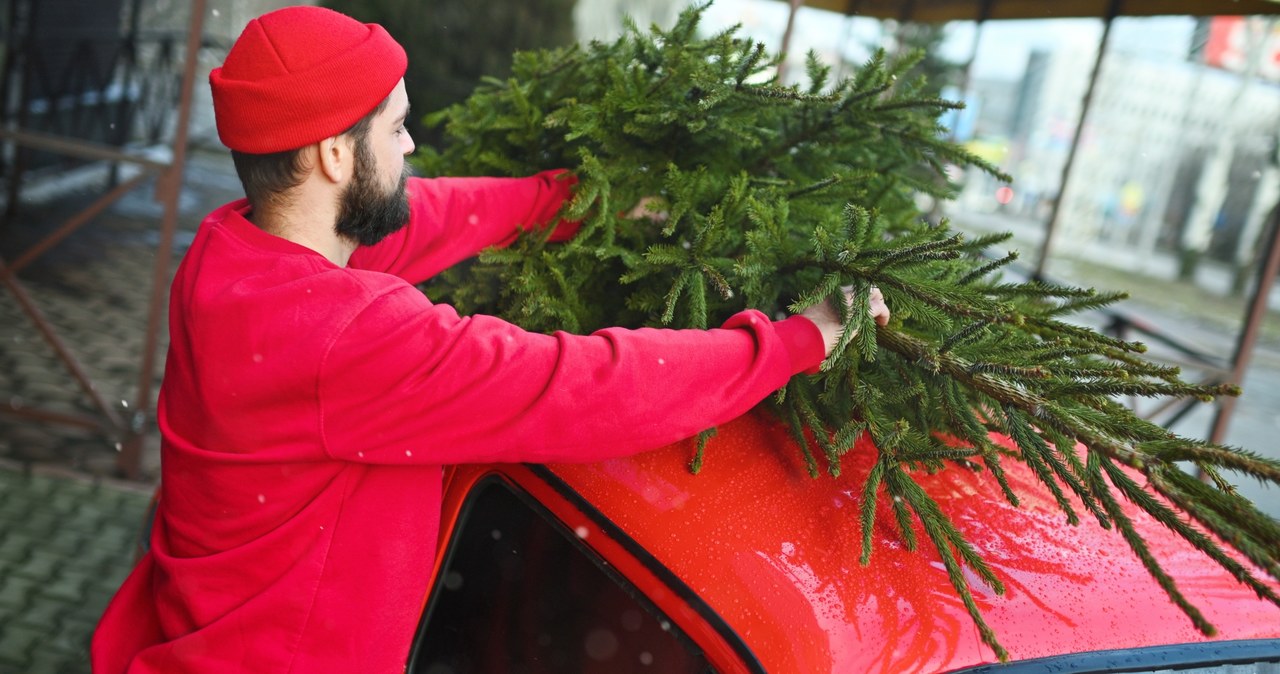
[(15, 408), (168, 188), (80, 149), (168, 185), (1046, 245), (72, 224), (1253, 323), (59, 347)]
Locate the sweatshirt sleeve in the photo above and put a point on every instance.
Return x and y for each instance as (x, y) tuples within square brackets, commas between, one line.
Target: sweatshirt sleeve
[(452, 219), (409, 381)]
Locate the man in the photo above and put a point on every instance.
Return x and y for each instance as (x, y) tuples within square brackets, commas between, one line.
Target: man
[(312, 394)]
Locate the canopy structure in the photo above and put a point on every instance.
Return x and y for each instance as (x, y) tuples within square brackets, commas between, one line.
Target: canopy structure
[(981, 11), (936, 11)]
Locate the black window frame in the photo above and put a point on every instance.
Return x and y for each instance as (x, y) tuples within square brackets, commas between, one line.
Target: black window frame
[(1145, 659), (476, 489)]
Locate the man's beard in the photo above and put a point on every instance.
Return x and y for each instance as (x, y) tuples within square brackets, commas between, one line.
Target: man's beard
[(367, 215)]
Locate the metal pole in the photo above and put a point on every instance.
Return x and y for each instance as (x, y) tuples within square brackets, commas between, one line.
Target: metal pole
[(76, 221), (60, 348), (168, 188), (1113, 9), (966, 75), (907, 11), (81, 149), (1253, 322), (984, 13), (786, 38), (14, 408)]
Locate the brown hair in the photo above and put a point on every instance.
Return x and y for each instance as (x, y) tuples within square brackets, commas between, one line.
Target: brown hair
[(267, 178)]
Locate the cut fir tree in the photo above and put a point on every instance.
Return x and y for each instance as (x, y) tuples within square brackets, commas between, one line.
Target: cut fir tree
[(759, 195)]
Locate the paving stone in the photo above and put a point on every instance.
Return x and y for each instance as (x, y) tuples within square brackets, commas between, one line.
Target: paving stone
[(17, 545), (74, 636), (54, 662), (95, 604), (66, 546), (41, 520), (39, 485), (18, 642), (101, 552), (41, 566), (87, 515), (43, 614), (61, 502), (13, 507), (67, 585), (15, 592)]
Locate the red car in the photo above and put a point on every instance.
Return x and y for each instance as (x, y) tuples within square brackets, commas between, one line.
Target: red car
[(635, 565)]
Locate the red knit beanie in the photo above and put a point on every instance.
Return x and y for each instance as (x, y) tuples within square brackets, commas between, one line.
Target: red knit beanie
[(299, 75)]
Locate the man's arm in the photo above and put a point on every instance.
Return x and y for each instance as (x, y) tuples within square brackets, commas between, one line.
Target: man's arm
[(412, 382), (452, 219)]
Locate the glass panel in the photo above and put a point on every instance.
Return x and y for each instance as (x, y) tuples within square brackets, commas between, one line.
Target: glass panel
[(520, 595)]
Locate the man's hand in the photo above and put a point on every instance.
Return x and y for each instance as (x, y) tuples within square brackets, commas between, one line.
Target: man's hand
[(825, 317), (649, 208)]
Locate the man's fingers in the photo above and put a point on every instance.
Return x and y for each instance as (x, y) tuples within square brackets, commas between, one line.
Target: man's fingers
[(879, 310), (881, 315)]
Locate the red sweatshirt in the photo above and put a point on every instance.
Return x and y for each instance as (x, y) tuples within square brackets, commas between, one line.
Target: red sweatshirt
[(307, 409)]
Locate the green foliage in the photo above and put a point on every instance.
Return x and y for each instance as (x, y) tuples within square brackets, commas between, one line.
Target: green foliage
[(775, 197)]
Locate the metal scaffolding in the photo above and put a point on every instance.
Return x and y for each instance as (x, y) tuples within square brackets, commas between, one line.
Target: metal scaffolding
[(130, 428)]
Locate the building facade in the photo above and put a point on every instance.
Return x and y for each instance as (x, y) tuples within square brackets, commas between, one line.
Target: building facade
[(1139, 169)]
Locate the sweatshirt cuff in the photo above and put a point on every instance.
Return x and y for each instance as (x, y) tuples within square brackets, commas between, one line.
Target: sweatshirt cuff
[(804, 343)]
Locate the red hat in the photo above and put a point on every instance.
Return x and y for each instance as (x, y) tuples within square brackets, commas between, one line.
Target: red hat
[(299, 75)]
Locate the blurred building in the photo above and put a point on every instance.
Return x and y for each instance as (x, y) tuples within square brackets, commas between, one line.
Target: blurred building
[(603, 19), (1150, 128)]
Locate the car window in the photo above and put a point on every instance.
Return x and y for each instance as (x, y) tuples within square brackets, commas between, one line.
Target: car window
[(521, 594)]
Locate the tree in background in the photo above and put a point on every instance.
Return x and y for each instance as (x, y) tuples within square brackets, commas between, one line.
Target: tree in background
[(452, 44), (926, 39), (774, 197)]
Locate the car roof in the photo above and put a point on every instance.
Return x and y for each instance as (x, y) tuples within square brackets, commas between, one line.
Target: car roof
[(775, 553)]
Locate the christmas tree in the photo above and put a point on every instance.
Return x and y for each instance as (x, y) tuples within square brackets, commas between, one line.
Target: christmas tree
[(755, 194)]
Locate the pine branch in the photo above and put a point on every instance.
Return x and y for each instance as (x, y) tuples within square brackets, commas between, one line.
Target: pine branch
[(1244, 527), (778, 197), (1139, 547), (948, 542), (1169, 518)]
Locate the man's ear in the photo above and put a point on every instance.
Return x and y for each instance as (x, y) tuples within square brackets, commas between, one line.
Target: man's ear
[(336, 158)]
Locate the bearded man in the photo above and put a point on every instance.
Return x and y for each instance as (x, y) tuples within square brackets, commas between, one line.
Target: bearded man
[(312, 394)]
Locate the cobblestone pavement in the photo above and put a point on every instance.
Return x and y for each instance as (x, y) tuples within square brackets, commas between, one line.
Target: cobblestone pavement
[(65, 545), (94, 289), (67, 529)]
